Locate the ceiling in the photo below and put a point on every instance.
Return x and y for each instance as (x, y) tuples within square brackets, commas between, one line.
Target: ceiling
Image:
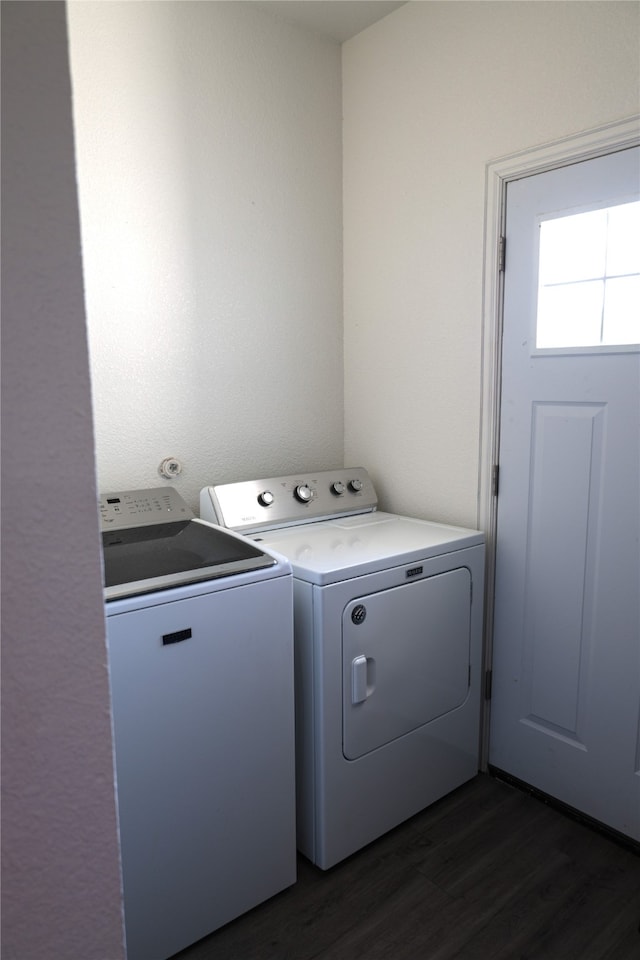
[(337, 19)]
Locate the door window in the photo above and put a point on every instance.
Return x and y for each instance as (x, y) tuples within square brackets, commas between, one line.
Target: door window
[(589, 279)]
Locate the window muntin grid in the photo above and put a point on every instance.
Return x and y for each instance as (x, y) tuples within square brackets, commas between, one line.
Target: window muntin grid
[(589, 279)]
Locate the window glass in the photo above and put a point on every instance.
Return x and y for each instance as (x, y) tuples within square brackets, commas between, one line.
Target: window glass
[(570, 314), (623, 248), (572, 248), (622, 310), (589, 279)]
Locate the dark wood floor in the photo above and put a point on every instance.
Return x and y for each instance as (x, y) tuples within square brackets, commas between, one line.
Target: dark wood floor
[(487, 873)]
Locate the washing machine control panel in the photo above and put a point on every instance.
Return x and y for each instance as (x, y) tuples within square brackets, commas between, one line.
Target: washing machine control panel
[(138, 508), (272, 502)]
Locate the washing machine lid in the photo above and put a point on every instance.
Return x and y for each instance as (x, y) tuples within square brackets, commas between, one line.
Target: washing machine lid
[(334, 550), (152, 541)]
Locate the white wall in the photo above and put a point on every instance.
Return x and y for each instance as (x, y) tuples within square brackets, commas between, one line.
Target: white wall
[(209, 161), (431, 94), (60, 864)]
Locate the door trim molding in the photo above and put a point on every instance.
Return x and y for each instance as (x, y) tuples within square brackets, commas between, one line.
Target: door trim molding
[(599, 141)]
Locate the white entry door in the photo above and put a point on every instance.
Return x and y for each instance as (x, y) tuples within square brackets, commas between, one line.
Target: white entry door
[(565, 709)]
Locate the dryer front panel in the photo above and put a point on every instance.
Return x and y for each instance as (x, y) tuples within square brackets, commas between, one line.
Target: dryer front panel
[(405, 658)]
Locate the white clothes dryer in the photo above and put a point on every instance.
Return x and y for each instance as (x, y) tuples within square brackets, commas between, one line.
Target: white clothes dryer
[(388, 634)]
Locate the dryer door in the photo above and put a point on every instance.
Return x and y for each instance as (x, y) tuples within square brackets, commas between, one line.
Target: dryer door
[(405, 658)]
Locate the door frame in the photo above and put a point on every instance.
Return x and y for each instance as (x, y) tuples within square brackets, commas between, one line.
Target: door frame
[(498, 174)]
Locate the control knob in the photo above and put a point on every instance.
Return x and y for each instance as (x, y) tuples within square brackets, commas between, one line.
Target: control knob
[(355, 485), (303, 493), (338, 488), (265, 499)]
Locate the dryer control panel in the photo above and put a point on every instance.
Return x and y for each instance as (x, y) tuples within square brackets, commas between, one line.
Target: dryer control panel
[(253, 505)]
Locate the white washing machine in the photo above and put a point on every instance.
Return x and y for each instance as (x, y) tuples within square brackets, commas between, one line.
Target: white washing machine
[(388, 635), (200, 642)]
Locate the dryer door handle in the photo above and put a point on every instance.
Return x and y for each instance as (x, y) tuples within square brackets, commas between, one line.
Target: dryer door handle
[(362, 678), (358, 679)]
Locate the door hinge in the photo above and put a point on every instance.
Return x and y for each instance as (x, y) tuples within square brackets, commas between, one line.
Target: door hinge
[(495, 479), (502, 247), (488, 678)]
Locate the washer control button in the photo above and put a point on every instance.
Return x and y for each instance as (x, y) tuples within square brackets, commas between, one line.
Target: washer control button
[(338, 488), (265, 499), (303, 493), (355, 485)]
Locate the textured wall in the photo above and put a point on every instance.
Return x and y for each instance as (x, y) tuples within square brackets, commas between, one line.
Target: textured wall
[(431, 94), (60, 866), (209, 159)]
